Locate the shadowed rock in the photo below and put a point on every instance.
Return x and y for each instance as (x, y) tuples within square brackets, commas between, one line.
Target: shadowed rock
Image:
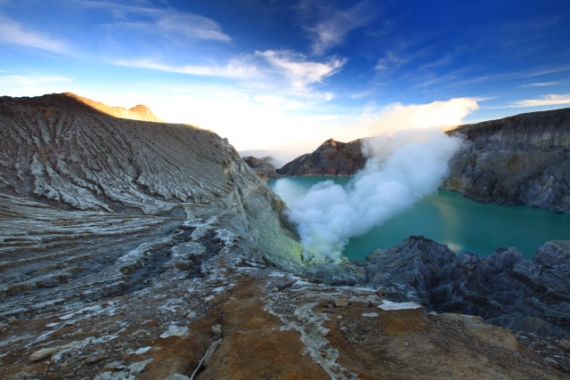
[(331, 158), (506, 288), (261, 166), (523, 159)]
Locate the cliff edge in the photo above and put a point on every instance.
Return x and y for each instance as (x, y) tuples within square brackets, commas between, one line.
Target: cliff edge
[(523, 159)]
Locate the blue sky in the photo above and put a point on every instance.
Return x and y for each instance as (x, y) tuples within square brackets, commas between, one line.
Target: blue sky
[(277, 73)]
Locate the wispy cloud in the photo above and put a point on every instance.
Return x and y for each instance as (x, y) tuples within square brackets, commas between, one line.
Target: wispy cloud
[(545, 100), (156, 20), (539, 84), (390, 61), (13, 33), (301, 72), (546, 71), (281, 70), (332, 26), (234, 69)]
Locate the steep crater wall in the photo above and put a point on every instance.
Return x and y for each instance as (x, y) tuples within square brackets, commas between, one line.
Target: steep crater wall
[(524, 159)]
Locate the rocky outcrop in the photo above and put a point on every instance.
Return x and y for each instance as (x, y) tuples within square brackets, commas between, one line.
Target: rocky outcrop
[(523, 159), (505, 289), (330, 158), (261, 166)]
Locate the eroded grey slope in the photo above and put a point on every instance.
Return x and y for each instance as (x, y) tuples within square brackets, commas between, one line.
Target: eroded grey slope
[(91, 203)]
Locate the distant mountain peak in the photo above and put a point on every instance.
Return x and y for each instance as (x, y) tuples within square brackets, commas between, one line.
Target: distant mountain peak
[(138, 112)]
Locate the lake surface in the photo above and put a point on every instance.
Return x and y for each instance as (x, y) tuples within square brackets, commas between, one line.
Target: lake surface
[(447, 217)]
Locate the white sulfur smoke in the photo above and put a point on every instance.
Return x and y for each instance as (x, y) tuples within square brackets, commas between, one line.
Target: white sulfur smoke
[(401, 169)]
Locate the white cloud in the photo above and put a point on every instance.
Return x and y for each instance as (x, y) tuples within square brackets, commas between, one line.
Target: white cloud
[(397, 117), (301, 72), (249, 119), (545, 100), (192, 26), (334, 25), (279, 71), (234, 69), (11, 32)]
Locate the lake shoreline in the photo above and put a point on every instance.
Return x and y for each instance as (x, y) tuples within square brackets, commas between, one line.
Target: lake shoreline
[(465, 225)]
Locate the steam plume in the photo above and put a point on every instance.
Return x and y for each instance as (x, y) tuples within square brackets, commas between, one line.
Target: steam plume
[(403, 166)]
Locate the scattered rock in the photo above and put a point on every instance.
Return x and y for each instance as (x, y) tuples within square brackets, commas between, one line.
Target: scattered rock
[(340, 302), (552, 362), (95, 357), (143, 350), (121, 375), (217, 329), (115, 366), (177, 376), (175, 330), (389, 305), (44, 353), (138, 367)]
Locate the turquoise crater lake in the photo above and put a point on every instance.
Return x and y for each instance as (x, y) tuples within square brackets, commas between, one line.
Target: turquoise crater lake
[(447, 217)]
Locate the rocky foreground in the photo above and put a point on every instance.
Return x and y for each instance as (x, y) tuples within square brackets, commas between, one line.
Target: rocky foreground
[(506, 289), (132, 249)]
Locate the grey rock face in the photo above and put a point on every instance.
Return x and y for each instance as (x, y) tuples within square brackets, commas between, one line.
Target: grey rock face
[(506, 289), (524, 159), (94, 206), (331, 158), (261, 166)]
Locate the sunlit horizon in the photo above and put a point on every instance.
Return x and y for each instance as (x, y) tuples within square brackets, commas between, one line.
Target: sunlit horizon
[(286, 76)]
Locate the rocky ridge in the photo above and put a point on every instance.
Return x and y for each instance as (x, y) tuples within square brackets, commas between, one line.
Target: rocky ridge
[(134, 249), (330, 158)]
